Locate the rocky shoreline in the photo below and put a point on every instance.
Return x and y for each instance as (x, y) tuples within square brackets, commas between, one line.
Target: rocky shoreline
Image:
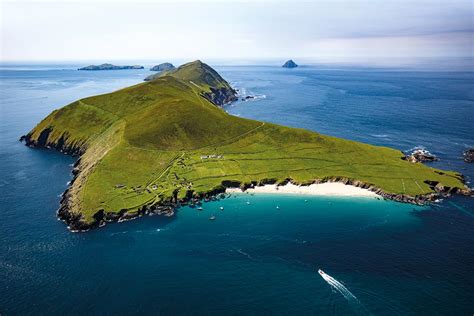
[(75, 223), (219, 97), (168, 208)]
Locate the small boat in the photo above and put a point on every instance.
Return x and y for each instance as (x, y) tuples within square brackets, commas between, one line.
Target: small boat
[(306, 200), (248, 203), (321, 272), (200, 208), (212, 218), (278, 207), (222, 208)]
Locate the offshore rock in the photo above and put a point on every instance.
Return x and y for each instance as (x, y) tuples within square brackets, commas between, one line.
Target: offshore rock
[(469, 155), (290, 64)]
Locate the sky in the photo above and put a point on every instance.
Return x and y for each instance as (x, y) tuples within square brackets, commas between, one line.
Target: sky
[(331, 30)]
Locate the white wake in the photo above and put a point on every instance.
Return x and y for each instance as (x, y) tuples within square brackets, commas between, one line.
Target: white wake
[(339, 287)]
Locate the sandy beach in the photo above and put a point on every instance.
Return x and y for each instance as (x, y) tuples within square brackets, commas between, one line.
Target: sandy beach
[(327, 188)]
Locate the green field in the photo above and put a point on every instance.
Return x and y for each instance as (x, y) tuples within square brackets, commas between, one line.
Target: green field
[(144, 144)]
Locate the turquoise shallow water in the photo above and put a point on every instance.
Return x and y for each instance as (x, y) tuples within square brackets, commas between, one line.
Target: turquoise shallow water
[(396, 259)]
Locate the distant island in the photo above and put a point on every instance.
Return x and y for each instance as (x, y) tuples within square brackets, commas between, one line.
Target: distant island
[(163, 67), (109, 67), (290, 64), (151, 147)]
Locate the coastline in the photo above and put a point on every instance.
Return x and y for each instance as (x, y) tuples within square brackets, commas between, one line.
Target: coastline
[(91, 151), (332, 186), (317, 189)]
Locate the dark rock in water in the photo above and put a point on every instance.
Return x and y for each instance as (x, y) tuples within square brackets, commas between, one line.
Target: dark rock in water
[(248, 97), (469, 155), (290, 64), (163, 67), (110, 67), (421, 155)]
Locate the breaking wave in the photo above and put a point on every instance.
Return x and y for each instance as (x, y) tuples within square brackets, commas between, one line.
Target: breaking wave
[(246, 96)]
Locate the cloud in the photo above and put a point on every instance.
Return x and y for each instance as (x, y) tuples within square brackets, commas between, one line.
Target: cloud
[(105, 30)]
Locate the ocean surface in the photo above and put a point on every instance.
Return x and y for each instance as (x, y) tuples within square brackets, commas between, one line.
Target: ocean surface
[(381, 257)]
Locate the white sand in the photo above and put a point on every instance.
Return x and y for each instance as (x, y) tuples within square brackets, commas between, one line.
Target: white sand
[(327, 188)]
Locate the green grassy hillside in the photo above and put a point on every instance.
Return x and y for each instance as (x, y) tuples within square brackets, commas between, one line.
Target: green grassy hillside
[(164, 140)]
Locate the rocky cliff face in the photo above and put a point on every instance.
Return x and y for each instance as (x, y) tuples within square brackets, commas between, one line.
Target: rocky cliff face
[(221, 96), (62, 144)]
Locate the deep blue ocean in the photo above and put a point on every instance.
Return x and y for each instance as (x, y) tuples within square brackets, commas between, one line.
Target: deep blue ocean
[(385, 258)]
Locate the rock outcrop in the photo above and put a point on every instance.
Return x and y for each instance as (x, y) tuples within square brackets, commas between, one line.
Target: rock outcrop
[(221, 96), (469, 155), (421, 155)]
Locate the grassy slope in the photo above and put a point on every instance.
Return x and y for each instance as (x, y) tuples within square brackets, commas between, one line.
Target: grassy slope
[(150, 138)]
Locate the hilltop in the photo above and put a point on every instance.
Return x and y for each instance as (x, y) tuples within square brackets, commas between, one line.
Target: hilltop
[(212, 86), (152, 146)]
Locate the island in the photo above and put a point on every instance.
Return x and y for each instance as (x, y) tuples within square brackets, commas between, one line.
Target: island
[(289, 64), (154, 146), (109, 67), (160, 68), (163, 67)]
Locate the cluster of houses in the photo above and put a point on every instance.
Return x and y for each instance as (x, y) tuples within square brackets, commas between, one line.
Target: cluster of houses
[(212, 157)]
